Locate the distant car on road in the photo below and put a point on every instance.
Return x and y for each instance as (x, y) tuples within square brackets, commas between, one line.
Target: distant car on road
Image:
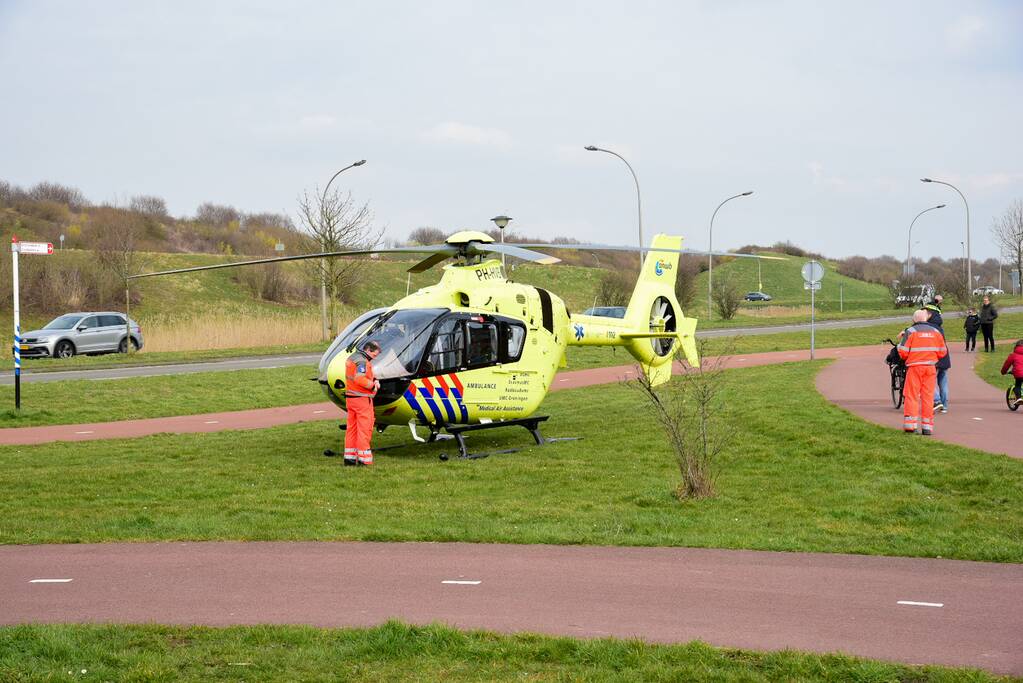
[(987, 290), (606, 311), (74, 333), (757, 296)]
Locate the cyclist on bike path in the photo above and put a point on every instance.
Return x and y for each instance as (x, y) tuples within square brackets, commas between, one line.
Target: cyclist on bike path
[(922, 346)]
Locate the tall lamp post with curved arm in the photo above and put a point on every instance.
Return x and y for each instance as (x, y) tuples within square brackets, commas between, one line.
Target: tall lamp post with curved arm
[(710, 248), (969, 266), (639, 201), (323, 231), (909, 238)]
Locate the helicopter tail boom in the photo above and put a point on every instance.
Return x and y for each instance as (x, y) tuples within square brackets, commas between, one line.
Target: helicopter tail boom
[(654, 325)]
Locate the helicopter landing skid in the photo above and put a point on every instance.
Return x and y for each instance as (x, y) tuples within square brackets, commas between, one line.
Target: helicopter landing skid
[(530, 423)]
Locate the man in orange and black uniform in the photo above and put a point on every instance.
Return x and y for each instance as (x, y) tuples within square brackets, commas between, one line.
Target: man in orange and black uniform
[(360, 388), (921, 347)]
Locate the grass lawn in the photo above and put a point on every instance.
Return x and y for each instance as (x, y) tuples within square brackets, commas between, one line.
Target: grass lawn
[(843, 486), (76, 401), (396, 651), (989, 366)]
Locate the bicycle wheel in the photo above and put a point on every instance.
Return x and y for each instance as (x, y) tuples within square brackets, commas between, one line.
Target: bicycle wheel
[(1010, 399), (897, 386)]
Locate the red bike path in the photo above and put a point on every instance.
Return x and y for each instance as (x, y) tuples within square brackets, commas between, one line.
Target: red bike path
[(858, 381), (901, 609)]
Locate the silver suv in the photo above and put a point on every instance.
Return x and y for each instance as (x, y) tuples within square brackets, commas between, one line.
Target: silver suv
[(73, 333)]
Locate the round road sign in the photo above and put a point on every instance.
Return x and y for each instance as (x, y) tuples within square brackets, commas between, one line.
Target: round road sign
[(812, 271)]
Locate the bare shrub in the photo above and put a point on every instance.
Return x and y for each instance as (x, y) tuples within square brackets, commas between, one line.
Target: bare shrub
[(696, 421), (216, 214), (685, 280), (727, 298), (148, 205), (62, 194), (427, 235), (615, 289), (952, 285)]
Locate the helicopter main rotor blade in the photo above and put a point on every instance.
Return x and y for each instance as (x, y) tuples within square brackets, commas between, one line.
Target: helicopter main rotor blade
[(426, 249), (605, 247), (517, 252), (431, 261)]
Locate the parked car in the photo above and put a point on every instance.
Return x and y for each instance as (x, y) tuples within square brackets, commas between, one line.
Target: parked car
[(987, 290), (757, 296), (917, 295), (606, 311), (74, 333)]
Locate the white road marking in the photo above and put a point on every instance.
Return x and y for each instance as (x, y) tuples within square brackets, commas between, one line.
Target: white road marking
[(211, 422), (979, 419), (86, 432), (463, 583), (317, 412), (562, 380), (51, 580), (742, 360), (921, 604)]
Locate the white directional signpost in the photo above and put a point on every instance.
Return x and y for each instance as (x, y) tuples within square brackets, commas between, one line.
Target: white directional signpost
[(44, 248), (812, 274)]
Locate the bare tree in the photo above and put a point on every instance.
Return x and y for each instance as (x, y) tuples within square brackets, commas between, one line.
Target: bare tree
[(118, 254), (334, 222), (1008, 233), (727, 298), (216, 214), (696, 420), (427, 235), (149, 205)]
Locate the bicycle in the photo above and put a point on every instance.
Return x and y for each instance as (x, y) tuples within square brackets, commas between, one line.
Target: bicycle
[(1010, 398), (897, 368)]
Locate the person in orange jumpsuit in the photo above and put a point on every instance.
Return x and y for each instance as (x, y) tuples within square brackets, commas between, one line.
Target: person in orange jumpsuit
[(921, 347), (360, 388)]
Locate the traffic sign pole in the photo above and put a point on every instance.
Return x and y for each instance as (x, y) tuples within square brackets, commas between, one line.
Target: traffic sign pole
[(812, 272), (17, 247), (17, 326)]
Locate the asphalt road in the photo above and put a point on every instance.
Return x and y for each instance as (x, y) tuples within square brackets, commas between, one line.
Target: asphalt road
[(917, 611), (311, 359)]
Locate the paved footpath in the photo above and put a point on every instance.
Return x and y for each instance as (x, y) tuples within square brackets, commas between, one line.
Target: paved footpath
[(908, 610)]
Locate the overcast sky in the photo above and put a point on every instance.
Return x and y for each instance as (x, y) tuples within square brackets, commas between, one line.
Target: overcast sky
[(830, 111)]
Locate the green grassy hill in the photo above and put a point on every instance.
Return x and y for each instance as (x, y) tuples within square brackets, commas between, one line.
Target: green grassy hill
[(783, 281)]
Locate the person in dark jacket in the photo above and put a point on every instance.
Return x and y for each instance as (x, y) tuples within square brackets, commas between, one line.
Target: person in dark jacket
[(988, 314), (972, 326), (945, 362)]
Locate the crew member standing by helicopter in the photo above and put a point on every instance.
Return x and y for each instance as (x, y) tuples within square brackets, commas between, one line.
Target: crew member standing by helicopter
[(360, 388)]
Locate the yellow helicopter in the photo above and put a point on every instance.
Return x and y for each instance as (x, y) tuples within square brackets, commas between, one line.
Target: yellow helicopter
[(478, 351)]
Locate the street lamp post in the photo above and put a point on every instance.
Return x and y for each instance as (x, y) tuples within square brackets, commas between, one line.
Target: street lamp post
[(969, 266), (323, 246), (909, 247), (710, 248), (639, 201), (963, 245), (502, 222)]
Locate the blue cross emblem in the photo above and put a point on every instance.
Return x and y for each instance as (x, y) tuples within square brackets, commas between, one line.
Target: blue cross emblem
[(578, 331)]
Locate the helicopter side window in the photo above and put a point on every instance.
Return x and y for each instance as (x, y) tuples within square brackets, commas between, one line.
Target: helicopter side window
[(514, 335), (448, 351), (483, 348)]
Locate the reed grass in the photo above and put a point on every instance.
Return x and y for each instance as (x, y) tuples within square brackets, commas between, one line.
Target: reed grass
[(220, 331)]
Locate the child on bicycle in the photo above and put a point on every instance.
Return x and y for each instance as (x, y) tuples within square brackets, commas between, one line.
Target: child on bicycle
[(1015, 363)]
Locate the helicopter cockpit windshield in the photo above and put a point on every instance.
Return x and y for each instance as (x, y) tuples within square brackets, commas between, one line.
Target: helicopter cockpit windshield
[(347, 336), (402, 336)]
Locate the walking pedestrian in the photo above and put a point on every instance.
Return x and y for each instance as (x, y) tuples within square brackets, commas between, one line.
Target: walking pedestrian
[(988, 314), (945, 362), (921, 348), (972, 326)]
